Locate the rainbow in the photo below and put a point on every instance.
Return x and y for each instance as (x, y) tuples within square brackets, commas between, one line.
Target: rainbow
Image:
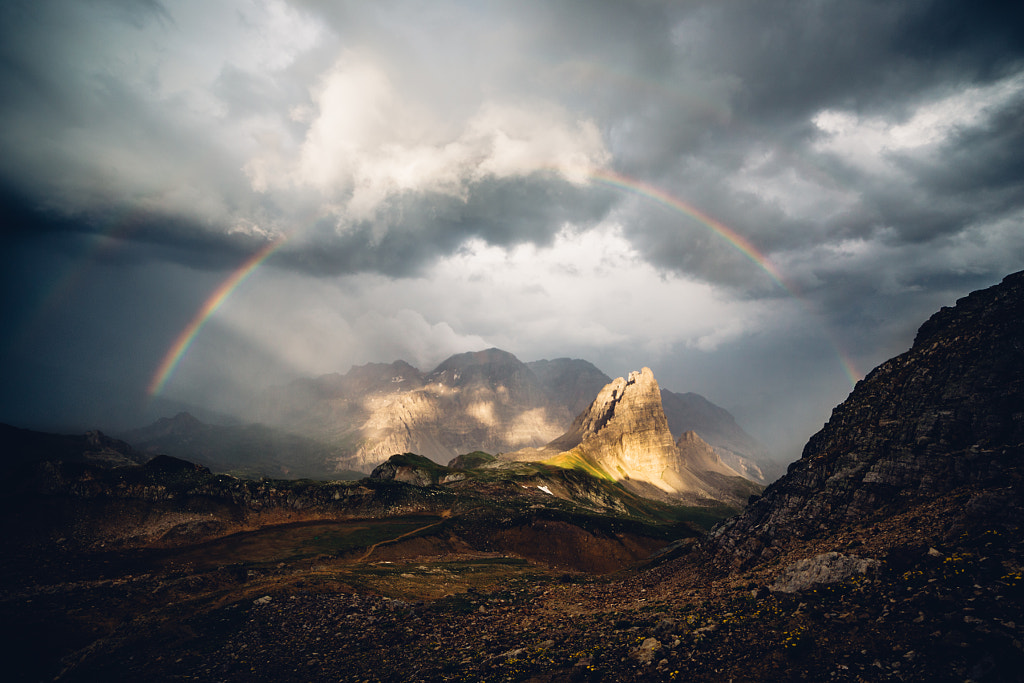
[(737, 240), (637, 187), (181, 344)]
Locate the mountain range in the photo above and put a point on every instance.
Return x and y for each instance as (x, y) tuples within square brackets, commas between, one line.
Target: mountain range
[(333, 425), (624, 436)]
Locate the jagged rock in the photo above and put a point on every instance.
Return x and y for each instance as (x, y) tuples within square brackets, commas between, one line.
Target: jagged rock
[(625, 431), (821, 570), (946, 413), (624, 436), (486, 400)]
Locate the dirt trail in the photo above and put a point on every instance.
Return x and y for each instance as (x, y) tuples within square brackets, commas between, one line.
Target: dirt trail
[(369, 551)]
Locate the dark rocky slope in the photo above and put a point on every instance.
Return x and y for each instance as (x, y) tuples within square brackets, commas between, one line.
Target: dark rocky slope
[(946, 414)]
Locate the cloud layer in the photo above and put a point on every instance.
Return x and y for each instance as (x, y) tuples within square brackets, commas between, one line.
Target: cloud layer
[(431, 167)]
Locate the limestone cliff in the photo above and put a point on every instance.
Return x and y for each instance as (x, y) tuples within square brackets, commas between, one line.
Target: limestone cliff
[(947, 414), (624, 435)]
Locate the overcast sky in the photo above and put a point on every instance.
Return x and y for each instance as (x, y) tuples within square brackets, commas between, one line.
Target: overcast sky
[(751, 198)]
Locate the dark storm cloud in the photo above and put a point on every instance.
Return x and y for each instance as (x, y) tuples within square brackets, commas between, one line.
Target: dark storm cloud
[(867, 150), (683, 96), (421, 229), (781, 65)]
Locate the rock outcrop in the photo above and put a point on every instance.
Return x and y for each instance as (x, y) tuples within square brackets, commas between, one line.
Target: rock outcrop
[(821, 570), (624, 436), (408, 468), (624, 430), (947, 414)]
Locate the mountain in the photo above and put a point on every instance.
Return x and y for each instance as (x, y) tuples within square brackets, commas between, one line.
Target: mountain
[(569, 382), (944, 416), (24, 447), (251, 450), (487, 400), (624, 436), (892, 550), (692, 412)]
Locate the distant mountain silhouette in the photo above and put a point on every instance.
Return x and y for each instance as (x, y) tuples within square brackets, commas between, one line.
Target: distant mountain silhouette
[(250, 450)]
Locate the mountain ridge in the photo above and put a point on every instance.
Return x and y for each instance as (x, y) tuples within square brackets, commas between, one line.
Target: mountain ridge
[(947, 413), (483, 400)]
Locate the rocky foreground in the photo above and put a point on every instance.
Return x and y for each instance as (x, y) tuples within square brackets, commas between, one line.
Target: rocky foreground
[(944, 604)]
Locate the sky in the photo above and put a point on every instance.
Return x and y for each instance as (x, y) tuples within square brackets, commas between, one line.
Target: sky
[(761, 201)]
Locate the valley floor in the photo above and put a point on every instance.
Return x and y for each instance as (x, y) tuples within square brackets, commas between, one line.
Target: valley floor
[(942, 606)]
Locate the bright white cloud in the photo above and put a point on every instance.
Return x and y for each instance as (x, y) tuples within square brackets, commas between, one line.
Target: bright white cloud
[(867, 142), (589, 290), (366, 142)]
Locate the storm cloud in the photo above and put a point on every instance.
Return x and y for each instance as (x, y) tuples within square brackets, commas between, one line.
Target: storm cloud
[(433, 174)]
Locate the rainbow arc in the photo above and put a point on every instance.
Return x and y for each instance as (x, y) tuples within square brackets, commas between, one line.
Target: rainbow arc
[(216, 300)]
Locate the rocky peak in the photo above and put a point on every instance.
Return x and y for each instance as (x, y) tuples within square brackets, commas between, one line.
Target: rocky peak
[(697, 454), (945, 414), (491, 369), (381, 377), (625, 434), (627, 415)]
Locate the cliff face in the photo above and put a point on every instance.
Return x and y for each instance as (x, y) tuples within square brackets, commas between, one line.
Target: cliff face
[(624, 435), (948, 413), (487, 401), (625, 428)]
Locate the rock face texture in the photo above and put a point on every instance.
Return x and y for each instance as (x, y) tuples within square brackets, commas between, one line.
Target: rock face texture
[(948, 413), (625, 429), (487, 400), (820, 570), (624, 435)]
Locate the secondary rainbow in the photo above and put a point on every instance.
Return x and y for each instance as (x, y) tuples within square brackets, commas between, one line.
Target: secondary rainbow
[(617, 180), (220, 295)]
